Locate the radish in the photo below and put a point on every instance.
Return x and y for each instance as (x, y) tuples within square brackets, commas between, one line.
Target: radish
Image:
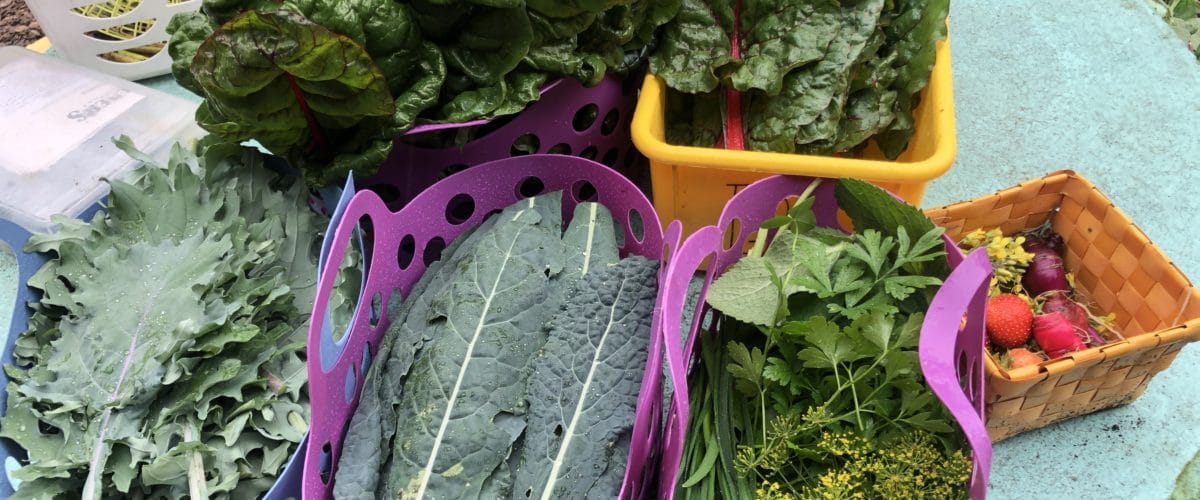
[(1058, 301), (1046, 271), (1055, 334)]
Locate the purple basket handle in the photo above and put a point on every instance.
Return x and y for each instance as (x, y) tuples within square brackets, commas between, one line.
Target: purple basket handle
[(336, 367), (746, 210), (959, 385), (645, 441)]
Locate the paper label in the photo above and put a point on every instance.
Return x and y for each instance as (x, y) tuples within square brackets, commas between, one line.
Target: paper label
[(46, 111)]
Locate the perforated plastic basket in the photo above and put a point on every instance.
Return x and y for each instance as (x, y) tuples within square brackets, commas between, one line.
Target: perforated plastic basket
[(405, 242), (74, 37), (951, 351), (557, 123)]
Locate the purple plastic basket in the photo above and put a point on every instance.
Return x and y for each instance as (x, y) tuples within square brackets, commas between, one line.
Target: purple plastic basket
[(422, 228), (550, 121), (947, 353)]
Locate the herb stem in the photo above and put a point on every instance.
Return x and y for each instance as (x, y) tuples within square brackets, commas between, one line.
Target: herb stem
[(857, 409), (808, 190)]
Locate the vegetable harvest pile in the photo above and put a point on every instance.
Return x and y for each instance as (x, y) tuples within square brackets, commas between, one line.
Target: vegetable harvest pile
[(165, 358), (1034, 311), (329, 84), (512, 369), (810, 386), (806, 76)]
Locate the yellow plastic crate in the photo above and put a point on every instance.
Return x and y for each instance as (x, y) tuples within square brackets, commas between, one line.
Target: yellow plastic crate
[(692, 184)]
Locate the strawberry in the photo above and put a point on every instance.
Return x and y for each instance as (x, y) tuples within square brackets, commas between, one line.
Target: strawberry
[(1009, 321), (1055, 334), (1021, 356)]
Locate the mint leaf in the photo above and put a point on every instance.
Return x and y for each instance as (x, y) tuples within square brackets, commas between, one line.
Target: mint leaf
[(746, 292)]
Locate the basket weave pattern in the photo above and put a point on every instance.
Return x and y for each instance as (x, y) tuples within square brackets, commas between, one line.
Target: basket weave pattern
[(1118, 269)]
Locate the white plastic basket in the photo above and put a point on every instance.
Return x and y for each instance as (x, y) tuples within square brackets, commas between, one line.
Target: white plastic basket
[(68, 32)]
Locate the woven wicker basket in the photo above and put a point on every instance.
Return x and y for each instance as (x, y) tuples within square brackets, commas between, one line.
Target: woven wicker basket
[(1118, 269)]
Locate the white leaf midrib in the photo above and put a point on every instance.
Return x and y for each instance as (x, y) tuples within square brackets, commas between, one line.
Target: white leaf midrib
[(427, 471), (569, 433)]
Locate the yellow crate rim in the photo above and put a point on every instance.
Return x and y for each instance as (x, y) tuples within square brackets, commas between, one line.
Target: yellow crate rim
[(649, 135)]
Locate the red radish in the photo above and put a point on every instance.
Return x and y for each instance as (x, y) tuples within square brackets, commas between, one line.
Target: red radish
[(1055, 334), (1057, 301), (1046, 271), (1021, 356), (1044, 236)]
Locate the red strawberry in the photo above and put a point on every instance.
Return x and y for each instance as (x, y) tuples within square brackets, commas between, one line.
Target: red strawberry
[(1008, 320), (1021, 356), (1055, 334)]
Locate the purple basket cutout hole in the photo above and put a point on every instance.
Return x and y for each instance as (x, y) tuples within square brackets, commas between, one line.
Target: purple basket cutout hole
[(420, 231), (722, 245), (548, 125)]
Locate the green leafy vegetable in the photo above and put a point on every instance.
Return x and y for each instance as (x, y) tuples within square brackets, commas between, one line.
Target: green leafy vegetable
[(512, 368), (165, 356), (294, 86), (583, 396), (331, 83), (818, 77), (461, 423), (818, 342)]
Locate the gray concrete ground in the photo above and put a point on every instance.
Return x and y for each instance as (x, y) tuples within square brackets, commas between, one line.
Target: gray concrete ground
[(1102, 87)]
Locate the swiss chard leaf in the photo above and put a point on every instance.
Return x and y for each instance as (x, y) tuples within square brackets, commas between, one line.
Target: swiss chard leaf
[(694, 46), (298, 88), (777, 37), (809, 105)]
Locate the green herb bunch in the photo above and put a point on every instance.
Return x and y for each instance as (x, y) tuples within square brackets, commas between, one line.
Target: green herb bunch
[(814, 384)]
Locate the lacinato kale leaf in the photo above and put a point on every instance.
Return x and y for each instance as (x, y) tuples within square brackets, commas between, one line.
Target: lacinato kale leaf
[(513, 367), (584, 387)]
